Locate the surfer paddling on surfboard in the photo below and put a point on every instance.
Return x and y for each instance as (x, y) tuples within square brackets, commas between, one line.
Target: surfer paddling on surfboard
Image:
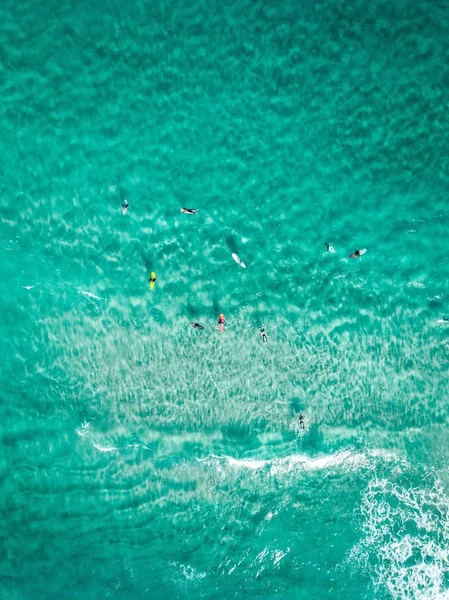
[(152, 280), (189, 211), (125, 207), (221, 321), (196, 325), (329, 247), (358, 253)]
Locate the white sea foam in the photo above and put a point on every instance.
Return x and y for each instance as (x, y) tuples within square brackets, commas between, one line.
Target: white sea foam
[(279, 555), (249, 464), (416, 284), (104, 448), (83, 430), (280, 466), (187, 572), (89, 294), (405, 544)]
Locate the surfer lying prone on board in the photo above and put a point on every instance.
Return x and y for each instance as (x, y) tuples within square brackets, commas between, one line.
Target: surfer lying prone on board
[(152, 280), (196, 325), (358, 253), (189, 211), (263, 334)]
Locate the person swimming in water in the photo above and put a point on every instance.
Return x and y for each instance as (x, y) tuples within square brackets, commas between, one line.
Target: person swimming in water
[(196, 325), (125, 207), (221, 322), (301, 421), (189, 211), (263, 334)]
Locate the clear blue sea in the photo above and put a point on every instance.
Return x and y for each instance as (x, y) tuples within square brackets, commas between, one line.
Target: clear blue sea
[(141, 458)]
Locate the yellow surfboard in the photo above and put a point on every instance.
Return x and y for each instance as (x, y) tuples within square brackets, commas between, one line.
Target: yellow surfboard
[(152, 280)]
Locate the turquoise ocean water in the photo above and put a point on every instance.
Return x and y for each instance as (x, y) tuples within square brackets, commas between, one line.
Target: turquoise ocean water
[(143, 459)]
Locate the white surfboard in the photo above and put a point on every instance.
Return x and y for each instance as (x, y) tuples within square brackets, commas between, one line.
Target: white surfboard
[(331, 248), (238, 260)]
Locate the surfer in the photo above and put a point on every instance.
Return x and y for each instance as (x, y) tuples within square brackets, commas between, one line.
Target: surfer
[(238, 260), (263, 334), (125, 206), (301, 420), (152, 279), (358, 253), (221, 321), (196, 325), (189, 211), (329, 247)]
